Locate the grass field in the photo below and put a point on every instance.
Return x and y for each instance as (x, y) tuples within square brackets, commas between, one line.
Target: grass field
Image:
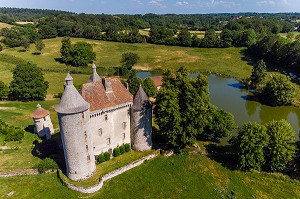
[(5, 25), (179, 176), (295, 33)]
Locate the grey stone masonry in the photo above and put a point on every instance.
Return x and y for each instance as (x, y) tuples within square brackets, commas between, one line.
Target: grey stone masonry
[(141, 122)]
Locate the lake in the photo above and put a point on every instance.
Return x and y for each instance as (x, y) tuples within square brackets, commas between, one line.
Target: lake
[(227, 94)]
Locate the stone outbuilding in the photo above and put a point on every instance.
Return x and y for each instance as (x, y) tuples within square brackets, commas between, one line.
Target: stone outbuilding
[(42, 122)]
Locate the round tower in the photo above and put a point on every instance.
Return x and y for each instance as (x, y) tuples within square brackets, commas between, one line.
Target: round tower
[(42, 122), (141, 122), (73, 116)]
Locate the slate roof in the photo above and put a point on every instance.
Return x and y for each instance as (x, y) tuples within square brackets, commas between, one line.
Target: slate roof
[(140, 99), (94, 77), (71, 101), (39, 112), (95, 93)]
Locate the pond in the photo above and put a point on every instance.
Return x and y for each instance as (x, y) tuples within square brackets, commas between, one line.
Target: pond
[(227, 94)]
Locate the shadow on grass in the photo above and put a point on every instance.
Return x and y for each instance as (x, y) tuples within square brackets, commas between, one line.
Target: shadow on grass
[(222, 154), (36, 53), (30, 129), (247, 57), (50, 149)]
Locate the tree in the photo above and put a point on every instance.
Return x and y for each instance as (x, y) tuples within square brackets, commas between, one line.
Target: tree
[(220, 125), (47, 31), (3, 90), (168, 117), (129, 59), (39, 45), (149, 87), (258, 74), (182, 108), (281, 148), (249, 144), (279, 90), (79, 54), (82, 54), (65, 50), (28, 83), (184, 38), (134, 84)]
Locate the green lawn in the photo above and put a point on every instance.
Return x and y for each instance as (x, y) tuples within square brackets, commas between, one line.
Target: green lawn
[(179, 176)]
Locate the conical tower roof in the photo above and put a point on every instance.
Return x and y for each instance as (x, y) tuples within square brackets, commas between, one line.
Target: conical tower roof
[(71, 101), (140, 99), (39, 112), (94, 77)]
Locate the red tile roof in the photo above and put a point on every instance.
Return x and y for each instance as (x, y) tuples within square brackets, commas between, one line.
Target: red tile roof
[(158, 80), (39, 112), (95, 94)]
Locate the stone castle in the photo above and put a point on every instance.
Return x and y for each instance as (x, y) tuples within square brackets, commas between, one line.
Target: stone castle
[(101, 116)]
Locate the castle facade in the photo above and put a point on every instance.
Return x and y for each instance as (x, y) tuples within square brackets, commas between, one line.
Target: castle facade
[(102, 116)]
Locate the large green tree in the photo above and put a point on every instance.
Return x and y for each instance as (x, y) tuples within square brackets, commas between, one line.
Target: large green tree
[(279, 90), (82, 54), (220, 125), (248, 145), (183, 104), (28, 83), (65, 50), (149, 87), (281, 148), (129, 59), (258, 74), (184, 38), (134, 84)]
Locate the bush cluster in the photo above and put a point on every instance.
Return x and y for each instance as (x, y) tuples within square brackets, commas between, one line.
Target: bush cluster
[(47, 164), (11, 133), (103, 157), (121, 150)]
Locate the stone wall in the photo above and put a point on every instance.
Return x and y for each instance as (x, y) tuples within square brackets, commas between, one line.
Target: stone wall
[(110, 175)]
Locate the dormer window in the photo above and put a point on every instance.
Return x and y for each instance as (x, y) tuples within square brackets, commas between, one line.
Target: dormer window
[(106, 117), (100, 131)]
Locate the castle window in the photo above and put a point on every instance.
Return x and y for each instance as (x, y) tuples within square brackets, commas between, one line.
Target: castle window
[(85, 136), (124, 136), (108, 141), (86, 147), (106, 117), (44, 118), (124, 125), (100, 131), (88, 157), (82, 115)]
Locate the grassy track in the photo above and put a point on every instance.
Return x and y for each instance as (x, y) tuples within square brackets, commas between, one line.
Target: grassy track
[(179, 176)]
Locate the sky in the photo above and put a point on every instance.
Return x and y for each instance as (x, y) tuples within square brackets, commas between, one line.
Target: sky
[(158, 6)]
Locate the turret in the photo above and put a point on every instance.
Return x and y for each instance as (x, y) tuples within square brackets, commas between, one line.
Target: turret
[(42, 122), (141, 122), (94, 77), (74, 116)]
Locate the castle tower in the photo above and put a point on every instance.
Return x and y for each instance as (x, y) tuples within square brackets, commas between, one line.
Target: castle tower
[(74, 116), (141, 122), (42, 122), (94, 77)]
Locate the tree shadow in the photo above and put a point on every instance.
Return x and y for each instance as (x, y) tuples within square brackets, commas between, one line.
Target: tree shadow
[(22, 50), (59, 59), (36, 53), (247, 57), (30, 129), (50, 149), (222, 154)]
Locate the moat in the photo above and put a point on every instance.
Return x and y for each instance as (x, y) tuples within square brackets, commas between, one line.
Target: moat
[(228, 94)]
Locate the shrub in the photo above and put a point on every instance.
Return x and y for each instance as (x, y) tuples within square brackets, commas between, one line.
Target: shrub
[(116, 152), (106, 156), (101, 158), (127, 147), (47, 164), (122, 149), (11, 133)]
